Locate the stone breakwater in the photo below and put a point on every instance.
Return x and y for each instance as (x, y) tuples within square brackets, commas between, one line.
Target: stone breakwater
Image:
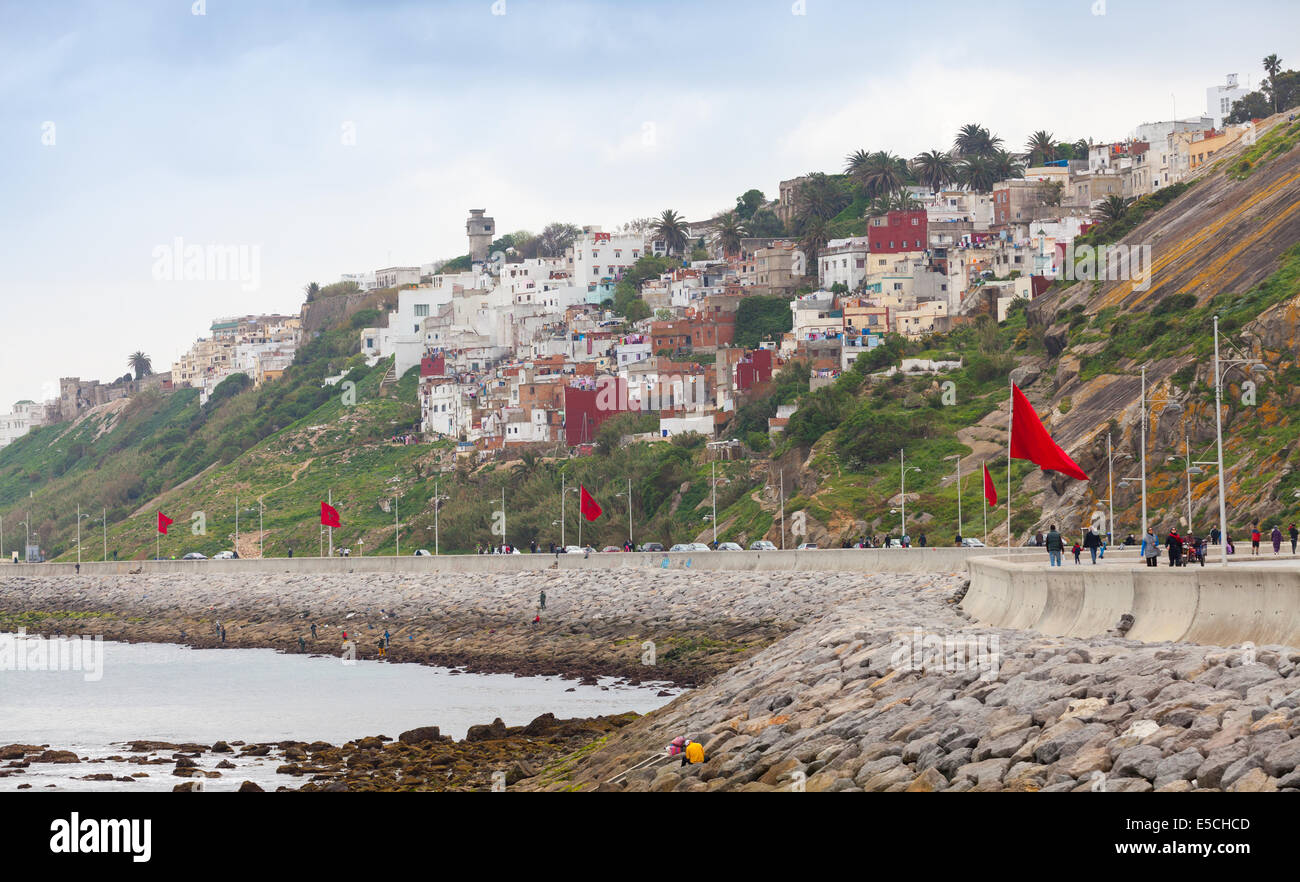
[(898, 691), (596, 622)]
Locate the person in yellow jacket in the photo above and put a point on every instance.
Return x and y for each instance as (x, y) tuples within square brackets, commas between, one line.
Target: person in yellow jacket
[(694, 753)]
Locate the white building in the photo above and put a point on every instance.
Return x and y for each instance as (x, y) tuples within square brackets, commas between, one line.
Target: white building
[(397, 276), (598, 255), (1219, 99), (843, 262), (26, 415)]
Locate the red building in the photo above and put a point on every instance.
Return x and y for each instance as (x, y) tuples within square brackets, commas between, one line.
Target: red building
[(586, 409), (754, 369), (897, 232), (433, 366)]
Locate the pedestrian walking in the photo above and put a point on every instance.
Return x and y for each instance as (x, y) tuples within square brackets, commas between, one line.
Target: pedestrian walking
[(313, 630), (541, 600), (1055, 547), (1276, 536), (1254, 539), (1077, 550), (1150, 547), (1295, 534), (1092, 542)]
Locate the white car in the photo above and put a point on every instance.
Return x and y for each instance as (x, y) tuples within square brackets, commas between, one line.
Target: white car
[(762, 545), (682, 546), (423, 552), (194, 555), (224, 555), (807, 546), (698, 546), (729, 546), (573, 549), (972, 543)]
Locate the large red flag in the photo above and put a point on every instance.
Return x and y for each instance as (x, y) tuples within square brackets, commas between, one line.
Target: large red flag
[(1029, 440), (329, 515), (163, 523), (590, 508), (989, 492)]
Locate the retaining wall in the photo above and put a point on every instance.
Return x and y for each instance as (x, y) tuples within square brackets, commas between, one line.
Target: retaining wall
[(1211, 604), (867, 560)]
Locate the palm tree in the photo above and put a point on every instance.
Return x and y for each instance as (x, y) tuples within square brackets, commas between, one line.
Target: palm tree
[(140, 363), (819, 196), (1044, 143), (1081, 148), (883, 173), (1006, 166), (729, 231), (882, 204), (1273, 65), (1114, 208), (671, 227), (977, 173), (975, 140), (312, 291), (855, 164), (813, 238), (934, 168)]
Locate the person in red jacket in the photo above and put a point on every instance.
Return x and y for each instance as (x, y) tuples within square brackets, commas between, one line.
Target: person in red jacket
[(1254, 539)]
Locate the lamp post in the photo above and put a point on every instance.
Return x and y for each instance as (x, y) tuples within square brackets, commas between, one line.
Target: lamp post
[(79, 517), (261, 534), (1218, 430), (628, 496), (957, 457), (903, 469), (437, 506), (105, 521)]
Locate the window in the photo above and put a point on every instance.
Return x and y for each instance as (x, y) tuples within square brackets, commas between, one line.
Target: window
[(421, 310)]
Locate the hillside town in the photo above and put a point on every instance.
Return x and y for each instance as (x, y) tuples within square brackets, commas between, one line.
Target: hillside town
[(517, 350)]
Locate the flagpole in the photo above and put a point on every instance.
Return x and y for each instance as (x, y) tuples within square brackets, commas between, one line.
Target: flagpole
[(985, 498), (331, 529), (1011, 408)]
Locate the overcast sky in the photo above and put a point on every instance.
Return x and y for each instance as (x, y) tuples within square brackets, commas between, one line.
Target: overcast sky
[(334, 137)]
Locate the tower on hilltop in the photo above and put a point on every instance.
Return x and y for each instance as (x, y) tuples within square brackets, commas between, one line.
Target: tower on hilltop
[(481, 231)]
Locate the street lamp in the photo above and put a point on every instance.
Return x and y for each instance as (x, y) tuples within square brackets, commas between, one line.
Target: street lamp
[(629, 512), (957, 457), (1169, 405), (79, 517), (903, 469), (1255, 365), (437, 505)]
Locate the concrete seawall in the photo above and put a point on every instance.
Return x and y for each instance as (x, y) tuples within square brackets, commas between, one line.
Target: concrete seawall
[(867, 560), (1208, 605)]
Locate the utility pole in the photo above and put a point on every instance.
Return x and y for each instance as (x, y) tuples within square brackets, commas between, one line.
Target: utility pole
[(1218, 438), (713, 466)]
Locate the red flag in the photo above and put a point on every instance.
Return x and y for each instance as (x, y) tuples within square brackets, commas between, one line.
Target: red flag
[(163, 523), (989, 492), (590, 508), (329, 515), (1029, 440)]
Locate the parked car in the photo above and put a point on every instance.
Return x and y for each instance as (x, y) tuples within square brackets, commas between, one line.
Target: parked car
[(225, 555), (194, 555), (573, 549), (972, 543), (652, 546), (807, 546), (729, 546), (698, 546), (610, 548), (762, 545), (681, 546), (423, 552)]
